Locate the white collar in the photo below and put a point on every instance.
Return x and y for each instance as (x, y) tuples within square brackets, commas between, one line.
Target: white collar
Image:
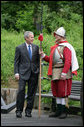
[(27, 44)]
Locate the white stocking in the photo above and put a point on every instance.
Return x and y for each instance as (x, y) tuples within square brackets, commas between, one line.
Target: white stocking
[(63, 102), (58, 100)]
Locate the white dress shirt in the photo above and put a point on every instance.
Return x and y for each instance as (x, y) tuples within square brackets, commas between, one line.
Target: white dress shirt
[(28, 45)]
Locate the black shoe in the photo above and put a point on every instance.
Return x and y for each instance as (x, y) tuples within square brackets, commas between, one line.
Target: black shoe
[(55, 115), (18, 114), (63, 116), (58, 111), (28, 114), (63, 112)]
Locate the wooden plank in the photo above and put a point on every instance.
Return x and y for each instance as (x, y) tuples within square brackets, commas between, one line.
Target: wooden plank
[(76, 82), (77, 98), (45, 95)]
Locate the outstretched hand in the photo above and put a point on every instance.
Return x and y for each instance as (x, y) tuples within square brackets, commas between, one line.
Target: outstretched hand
[(41, 52)]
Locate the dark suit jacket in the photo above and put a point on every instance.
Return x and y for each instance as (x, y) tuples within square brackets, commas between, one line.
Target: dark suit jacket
[(23, 65)]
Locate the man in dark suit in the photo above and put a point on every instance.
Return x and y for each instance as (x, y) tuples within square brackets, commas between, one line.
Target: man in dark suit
[(26, 69)]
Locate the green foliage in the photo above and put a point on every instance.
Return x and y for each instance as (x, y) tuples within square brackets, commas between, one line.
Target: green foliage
[(6, 19), (25, 19), (26, 14)]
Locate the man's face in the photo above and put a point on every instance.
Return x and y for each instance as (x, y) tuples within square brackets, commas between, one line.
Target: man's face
[(30, 39), (58, 38)]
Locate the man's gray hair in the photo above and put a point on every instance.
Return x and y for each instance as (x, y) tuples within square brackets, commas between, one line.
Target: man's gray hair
[(26, 34)]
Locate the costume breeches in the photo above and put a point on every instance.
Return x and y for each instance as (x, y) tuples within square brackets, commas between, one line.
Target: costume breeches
[(61, 88)]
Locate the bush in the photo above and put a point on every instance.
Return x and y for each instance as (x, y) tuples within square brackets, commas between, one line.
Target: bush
[(25, 19), (6, 21)]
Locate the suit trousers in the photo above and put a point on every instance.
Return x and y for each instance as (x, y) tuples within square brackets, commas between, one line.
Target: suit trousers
[(31, 91)]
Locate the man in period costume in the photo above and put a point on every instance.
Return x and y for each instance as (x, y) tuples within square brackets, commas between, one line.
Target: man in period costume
[(62, 65)]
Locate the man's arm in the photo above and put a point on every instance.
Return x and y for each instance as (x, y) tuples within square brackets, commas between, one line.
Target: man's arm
[(67, 62)]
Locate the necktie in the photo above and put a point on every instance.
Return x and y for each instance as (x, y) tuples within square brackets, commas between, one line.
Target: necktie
[(29, 50)]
